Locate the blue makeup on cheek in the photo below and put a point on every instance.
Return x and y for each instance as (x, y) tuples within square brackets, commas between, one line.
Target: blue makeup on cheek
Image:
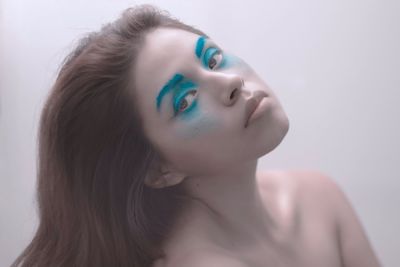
[(235, 64), (190, 112), (194, 120), (230, 60), (198, 123)]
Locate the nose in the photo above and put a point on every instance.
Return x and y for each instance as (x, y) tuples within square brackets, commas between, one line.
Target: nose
[(228, 87)]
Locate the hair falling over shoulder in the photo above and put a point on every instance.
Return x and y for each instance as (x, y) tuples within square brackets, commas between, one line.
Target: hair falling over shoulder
[(93, 206)]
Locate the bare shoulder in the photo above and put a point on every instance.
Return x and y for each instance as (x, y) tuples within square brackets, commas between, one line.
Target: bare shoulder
[(311, 194), (320, 194), (204, 259), (305, 185), (306, 179), (314, 185), (315, 191)]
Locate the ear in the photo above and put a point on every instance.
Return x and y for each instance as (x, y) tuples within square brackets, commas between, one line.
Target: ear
[(167, 176)]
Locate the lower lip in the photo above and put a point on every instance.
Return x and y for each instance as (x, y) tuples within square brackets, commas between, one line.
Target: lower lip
[(260, 109)]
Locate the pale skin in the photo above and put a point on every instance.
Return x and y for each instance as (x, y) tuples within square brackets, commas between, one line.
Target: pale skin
[(240, 218)]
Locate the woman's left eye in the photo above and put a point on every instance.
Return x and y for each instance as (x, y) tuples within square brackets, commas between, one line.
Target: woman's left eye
[(212, 58)]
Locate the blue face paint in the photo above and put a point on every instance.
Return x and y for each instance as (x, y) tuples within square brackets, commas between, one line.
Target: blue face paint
[(226, 60), (196, 121), (229, 61), (208, 55), (185, 91), (199, 45), (182, 89), (232, 61), (167, 88), (198, 125), (177, 78)]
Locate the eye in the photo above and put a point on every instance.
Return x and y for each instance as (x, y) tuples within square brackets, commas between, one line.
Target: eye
[(185, 102), (212, 58)]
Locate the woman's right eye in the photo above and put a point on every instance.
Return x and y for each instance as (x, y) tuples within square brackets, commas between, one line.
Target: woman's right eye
[(185, 102), (213, 58)]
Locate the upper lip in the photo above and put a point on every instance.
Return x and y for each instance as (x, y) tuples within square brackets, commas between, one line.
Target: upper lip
[(252, 103)]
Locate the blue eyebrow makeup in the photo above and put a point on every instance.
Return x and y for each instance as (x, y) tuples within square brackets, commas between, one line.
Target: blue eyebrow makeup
[(199, 45), (180, 85), (167, 88), (177, 78), (197, 120)]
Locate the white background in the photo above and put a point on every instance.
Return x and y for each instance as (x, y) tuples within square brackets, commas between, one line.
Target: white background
[(334, 65)]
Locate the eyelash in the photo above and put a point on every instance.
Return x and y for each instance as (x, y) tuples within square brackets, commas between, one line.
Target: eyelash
[(208, 54), (188, 107)]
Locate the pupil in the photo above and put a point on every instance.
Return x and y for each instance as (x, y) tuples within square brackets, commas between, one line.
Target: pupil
[(212, 62), (182, 106)]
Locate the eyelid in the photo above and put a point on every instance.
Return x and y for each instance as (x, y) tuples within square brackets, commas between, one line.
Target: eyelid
[(209, 43), (183, 89), (176, 107), (208, 55), (177, 98)]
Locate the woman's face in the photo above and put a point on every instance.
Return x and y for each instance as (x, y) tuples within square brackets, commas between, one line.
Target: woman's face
[(192, 97)]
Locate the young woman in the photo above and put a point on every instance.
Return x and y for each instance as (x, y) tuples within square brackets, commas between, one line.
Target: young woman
[(149, 143)]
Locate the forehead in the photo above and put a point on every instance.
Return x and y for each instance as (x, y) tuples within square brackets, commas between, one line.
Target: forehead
[(165, 51), (167, 38)]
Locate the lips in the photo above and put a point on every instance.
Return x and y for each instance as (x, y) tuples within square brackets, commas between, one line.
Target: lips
[(252, 104)]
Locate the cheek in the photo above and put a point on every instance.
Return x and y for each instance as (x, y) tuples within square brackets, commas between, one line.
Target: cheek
[(197, 124), (231, 61)]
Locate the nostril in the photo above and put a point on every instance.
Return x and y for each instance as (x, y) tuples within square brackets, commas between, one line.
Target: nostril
[(233, 93)]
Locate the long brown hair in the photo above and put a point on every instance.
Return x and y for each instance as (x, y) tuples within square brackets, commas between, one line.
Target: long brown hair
[(93, 206)]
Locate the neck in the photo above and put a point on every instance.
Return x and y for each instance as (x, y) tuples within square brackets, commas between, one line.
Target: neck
[(230, 203)]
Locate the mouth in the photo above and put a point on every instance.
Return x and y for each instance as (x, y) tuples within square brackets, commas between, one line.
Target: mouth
[(252, 104)]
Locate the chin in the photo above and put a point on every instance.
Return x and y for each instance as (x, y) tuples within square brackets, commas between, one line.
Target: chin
[(273, 138)]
